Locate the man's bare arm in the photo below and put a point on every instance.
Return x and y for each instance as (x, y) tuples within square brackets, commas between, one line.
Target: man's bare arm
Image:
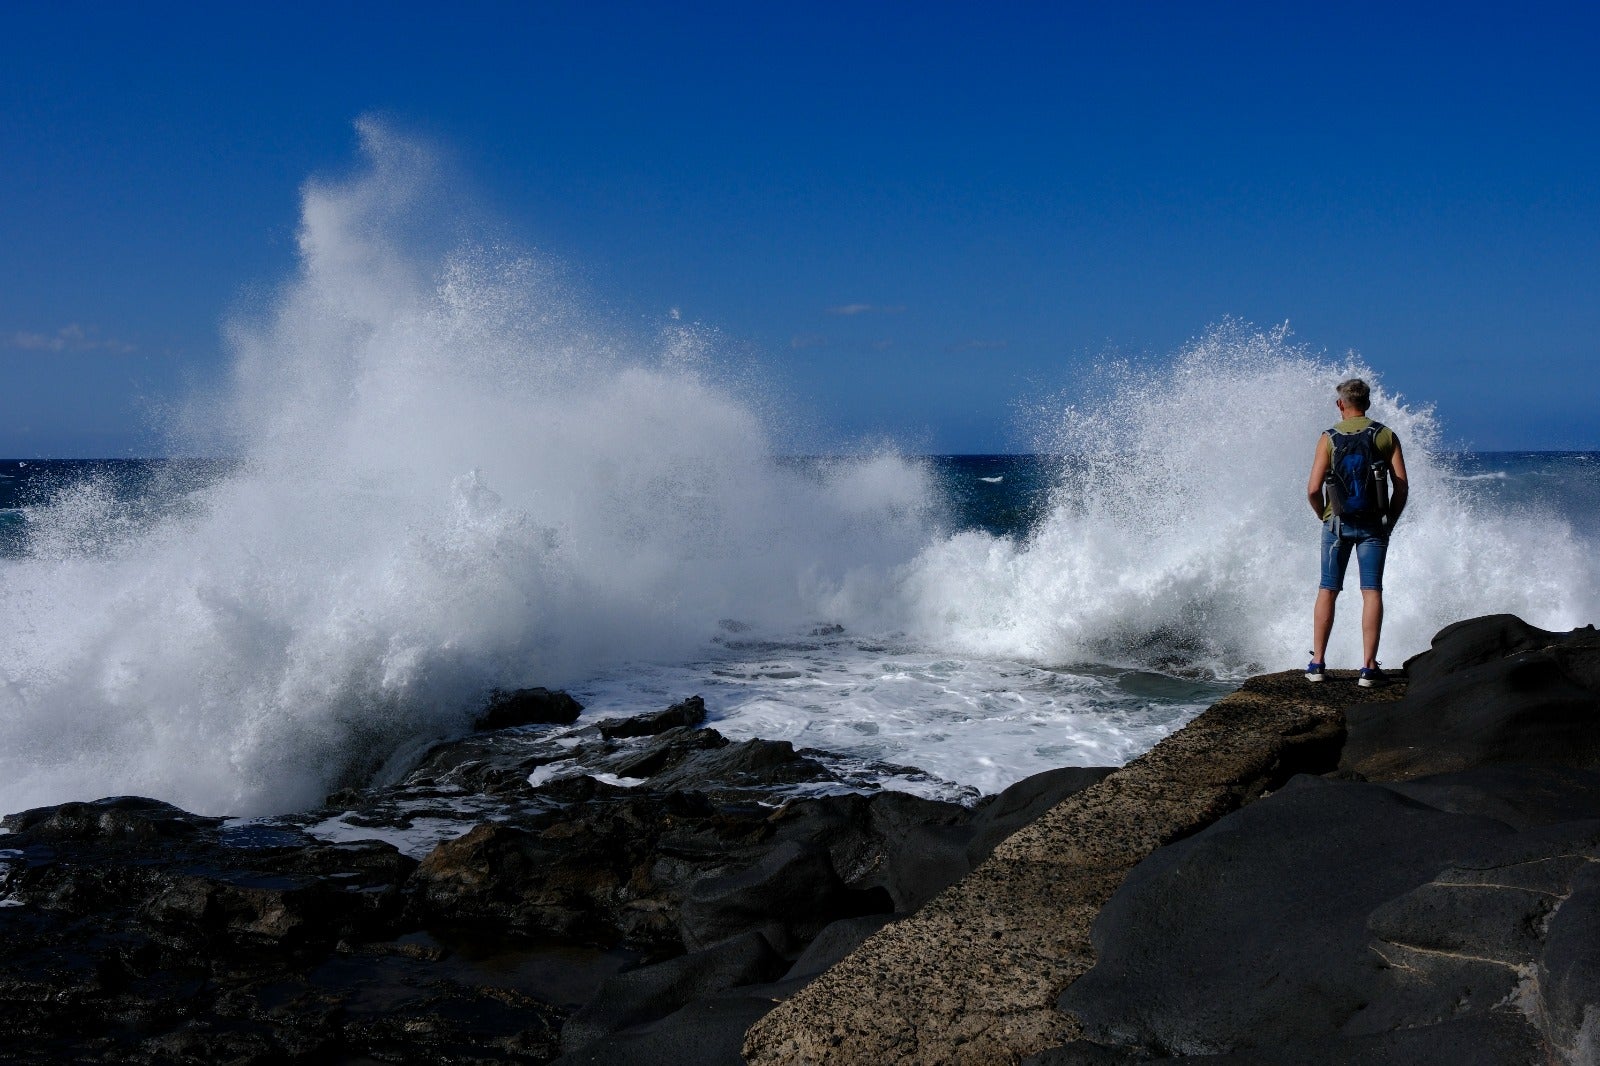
[(1399, 489), (1319, 471)]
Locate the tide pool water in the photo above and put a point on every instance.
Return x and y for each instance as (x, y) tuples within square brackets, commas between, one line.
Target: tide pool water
[(449, 477)]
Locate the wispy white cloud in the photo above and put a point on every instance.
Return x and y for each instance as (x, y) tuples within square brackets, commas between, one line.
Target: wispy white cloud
[(69, 338), (867, 309), (976, 346)]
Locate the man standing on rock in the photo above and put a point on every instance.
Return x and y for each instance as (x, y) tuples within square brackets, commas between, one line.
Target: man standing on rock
[(1357, 489)]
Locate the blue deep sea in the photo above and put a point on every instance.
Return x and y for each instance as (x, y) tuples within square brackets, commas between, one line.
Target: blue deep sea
[(1002, 495)]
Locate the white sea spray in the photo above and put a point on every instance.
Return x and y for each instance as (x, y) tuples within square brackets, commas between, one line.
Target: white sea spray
[(453, 480), (1179, 535), (455, 477)]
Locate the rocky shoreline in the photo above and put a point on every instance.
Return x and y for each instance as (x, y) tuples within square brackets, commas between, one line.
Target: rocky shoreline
[(1305, 873), (1302, 874), (591, 883)]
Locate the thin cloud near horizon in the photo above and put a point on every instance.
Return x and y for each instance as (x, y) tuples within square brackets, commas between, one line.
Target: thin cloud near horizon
[(867, 309), (72, 337)]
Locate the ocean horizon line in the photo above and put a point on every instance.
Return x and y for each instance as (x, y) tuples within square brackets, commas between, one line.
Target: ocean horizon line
[(1461, 452)]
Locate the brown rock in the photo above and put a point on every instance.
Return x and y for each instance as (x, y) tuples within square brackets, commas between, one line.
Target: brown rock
[(974, 976)]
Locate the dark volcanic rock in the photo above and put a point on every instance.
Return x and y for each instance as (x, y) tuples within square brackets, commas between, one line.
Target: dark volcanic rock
[(747, 764), (528, 706), (834, 942), (1254, 931), (1491, 691), (615, 868), (974, 975), (1345, 911), (682, 857), (787, 896), (920, 847), (191, 893), (904, 845), (135, 932), (650, 993), (495, 873), (708, 1032), (315, 896), (1451, 918), (1568, 976), (1523, 797), (113, 818), (1495, 1039), (1475, 641), (690, 712), (914, 848), (660, 752)]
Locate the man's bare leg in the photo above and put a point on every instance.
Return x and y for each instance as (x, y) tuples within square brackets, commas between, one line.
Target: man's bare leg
[(1322, 624), (1371, 625)]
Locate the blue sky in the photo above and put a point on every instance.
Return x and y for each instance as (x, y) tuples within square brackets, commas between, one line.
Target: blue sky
[(1001, 194)]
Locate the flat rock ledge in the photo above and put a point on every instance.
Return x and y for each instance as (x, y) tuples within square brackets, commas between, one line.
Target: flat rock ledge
[(975, 975)]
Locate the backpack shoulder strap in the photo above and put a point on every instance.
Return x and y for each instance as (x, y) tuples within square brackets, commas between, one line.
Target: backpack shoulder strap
[(1377, 429)]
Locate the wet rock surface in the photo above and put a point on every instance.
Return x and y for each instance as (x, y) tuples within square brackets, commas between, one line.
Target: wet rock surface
[(528, 706), (607, 892)]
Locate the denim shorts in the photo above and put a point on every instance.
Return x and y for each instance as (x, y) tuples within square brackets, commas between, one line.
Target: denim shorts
[(1371, 544)]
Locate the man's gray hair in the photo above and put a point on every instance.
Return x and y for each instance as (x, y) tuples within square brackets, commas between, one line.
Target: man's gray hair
[(1355, 393)]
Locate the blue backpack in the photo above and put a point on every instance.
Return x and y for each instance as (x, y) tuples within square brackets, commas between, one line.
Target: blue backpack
[(1358, 479)]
